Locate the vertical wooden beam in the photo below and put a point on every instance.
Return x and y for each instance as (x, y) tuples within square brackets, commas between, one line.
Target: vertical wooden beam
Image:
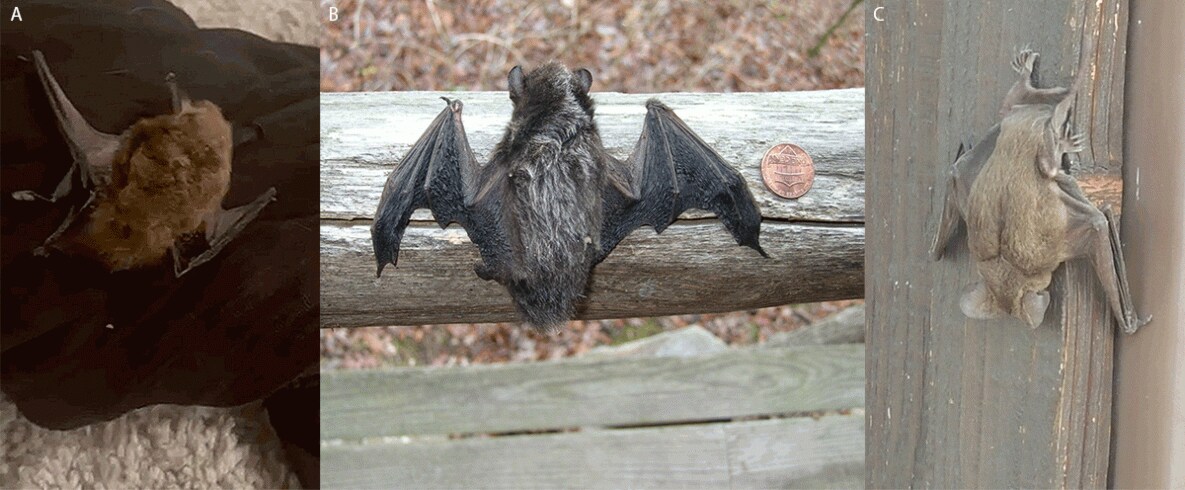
[(1149, 442), (954, 402)]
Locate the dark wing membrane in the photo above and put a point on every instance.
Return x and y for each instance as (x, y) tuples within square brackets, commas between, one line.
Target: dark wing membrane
[(960, 177), (439, 173), (671, 171)]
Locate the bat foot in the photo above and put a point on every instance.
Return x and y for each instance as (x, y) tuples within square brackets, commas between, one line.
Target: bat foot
[(1133, 322), (1025, 61)]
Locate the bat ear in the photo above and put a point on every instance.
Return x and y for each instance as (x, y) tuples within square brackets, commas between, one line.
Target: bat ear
[(977, 303), (583, 80), (515, 82)]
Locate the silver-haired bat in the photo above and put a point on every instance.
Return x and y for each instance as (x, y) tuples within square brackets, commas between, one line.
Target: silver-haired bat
[(552, 203), (155, 189), (1025, 215)]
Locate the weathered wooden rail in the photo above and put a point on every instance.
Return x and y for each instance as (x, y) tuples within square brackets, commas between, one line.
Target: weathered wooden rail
[(777, 417), (816, 242)]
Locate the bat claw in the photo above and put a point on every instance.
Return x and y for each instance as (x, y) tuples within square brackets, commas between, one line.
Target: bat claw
[(1025, 60), (1133, 322), (454, 105)]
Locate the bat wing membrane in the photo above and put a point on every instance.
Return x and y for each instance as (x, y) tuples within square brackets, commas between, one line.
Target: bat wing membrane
[(962, 175), (672, 170), (442, 174)]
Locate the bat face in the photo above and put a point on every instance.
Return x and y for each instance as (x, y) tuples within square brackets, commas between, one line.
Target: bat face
[(551, 203), (1024, 214)]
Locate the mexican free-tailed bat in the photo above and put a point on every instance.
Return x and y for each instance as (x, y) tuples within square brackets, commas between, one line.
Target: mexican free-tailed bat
[(1024, 214), (551, 203), (155, 189)]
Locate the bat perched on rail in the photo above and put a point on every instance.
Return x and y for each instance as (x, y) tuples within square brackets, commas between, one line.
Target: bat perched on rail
[(552, 203), (1024, 214), (155, 189)]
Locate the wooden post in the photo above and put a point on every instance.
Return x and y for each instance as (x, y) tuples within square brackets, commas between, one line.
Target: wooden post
[(954, 402), (1149, 443), (816, 242)]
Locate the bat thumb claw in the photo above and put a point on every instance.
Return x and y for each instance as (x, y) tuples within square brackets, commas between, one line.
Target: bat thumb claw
[(454, 105)]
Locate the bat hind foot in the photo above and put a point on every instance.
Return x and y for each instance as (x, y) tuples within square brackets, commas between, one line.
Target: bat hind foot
[(1025, 62), (1133, 322)]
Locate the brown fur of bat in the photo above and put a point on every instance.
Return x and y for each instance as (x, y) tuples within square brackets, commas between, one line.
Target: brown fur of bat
[(1024, 214), (1017, 222), (169, 176)]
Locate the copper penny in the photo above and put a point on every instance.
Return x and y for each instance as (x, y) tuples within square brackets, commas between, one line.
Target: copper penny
[(787, 171)]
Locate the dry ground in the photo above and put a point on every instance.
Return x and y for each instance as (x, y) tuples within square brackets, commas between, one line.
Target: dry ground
[(649, 46)]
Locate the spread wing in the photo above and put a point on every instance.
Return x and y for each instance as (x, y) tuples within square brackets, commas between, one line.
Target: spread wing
[(670, 171), (440, 173)]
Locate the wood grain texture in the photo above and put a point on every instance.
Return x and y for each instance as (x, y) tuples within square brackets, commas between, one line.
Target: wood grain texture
[(781, 453), (558, 395), (816, 242), (952, 402)]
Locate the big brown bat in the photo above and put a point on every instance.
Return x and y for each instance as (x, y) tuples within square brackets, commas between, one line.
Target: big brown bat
[(1024, 214), (552, 203), (154, 190)]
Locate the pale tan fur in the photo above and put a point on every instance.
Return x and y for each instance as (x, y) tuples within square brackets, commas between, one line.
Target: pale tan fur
[(1016, 221), (168, 177)]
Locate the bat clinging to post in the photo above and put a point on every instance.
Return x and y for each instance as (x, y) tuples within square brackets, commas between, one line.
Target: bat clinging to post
[(551, 203), (154, 190), (1024, 214)]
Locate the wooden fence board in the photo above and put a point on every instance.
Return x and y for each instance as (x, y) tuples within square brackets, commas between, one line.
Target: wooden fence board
[(557, 395), (781, 453)]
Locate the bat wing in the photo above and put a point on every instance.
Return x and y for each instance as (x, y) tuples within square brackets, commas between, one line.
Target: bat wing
[(440, 173), (672, 170), (221, 228), (92, 150), (1093, 234), (962, 175)]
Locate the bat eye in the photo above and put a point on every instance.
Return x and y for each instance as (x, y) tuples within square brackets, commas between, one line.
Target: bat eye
[(520, 176)]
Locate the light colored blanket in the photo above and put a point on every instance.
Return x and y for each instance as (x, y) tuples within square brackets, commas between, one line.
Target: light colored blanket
[(162, 446)]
